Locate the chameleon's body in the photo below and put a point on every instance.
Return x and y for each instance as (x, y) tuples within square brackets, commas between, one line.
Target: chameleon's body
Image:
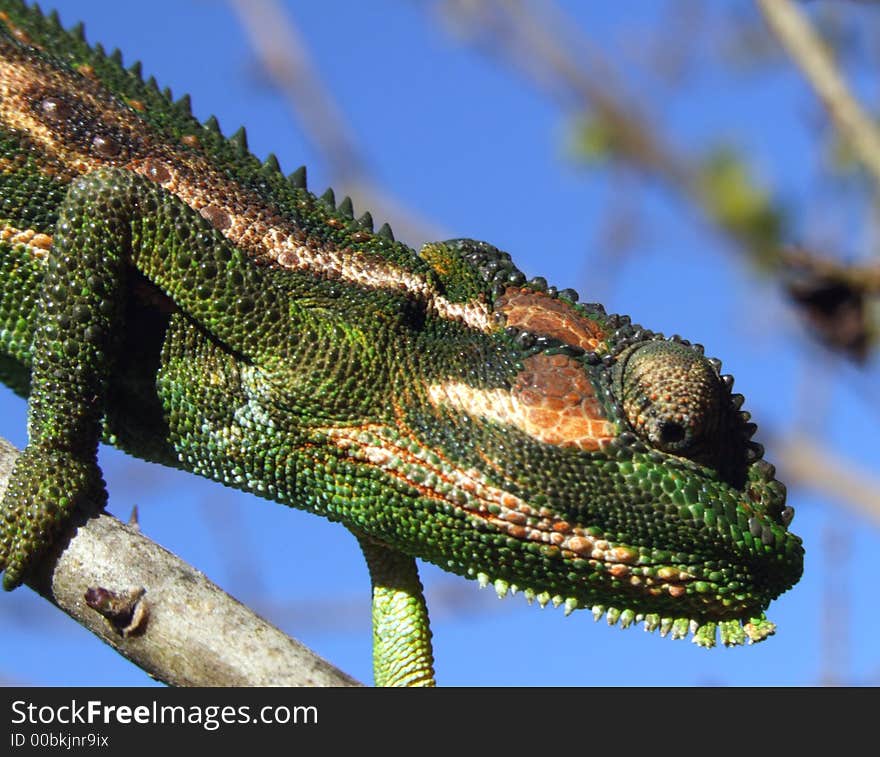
[(162, 288)]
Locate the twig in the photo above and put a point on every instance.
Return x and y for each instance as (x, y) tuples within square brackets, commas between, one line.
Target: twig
[(818, 468), (542, 43), (284, 57), (864, 278), (542, 46), (162, 614), (808, 51)]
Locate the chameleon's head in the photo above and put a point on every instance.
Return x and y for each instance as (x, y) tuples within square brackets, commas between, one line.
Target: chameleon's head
[(679, 416), (606, 466)]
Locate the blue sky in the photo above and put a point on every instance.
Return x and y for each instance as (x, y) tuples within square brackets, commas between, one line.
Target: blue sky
[(466, 143)]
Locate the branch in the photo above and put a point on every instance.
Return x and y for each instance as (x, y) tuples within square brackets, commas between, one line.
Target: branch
[(546, 47), (285, 59), (162, 614), (818, 468), (796, 34)]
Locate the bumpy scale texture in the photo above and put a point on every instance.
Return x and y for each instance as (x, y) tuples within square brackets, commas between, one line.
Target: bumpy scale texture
[(163, 289)]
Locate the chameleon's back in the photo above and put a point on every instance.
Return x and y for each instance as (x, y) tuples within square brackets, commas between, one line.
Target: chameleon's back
[(440, 404)]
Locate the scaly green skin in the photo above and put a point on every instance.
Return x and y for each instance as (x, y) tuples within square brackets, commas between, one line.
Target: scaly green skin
[(164, 290)]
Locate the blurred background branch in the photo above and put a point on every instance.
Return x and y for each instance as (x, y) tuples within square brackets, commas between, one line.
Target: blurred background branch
[(795, 32), (541, 43), (283, 54)]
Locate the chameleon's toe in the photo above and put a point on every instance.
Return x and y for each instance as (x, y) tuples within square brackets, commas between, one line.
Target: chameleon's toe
[(14, 573), (44, 491)]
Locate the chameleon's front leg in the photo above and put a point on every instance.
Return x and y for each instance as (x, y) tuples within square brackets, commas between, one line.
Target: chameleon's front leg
[(111, 220), (402, 653), (71, 358)]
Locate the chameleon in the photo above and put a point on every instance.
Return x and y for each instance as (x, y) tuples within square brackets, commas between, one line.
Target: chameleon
[(165, 291)]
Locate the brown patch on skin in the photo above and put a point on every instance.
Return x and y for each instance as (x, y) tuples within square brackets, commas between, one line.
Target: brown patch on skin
[(552, 400), (55, 109), (561, 403), (156, 170), (105, 147), (544, 315)]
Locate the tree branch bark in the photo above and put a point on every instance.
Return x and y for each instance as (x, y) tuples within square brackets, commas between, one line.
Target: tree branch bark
[(164, 615)]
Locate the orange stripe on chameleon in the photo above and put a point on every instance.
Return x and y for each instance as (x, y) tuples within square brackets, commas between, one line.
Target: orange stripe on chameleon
[(369, 445), (20, 34), (548, 316), (508, 513), (551, 400)]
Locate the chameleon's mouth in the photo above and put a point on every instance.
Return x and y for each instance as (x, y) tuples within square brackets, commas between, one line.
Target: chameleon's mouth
[(729, 562)]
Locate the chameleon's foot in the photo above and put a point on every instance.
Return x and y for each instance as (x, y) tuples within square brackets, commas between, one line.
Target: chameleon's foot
[(45, 489)]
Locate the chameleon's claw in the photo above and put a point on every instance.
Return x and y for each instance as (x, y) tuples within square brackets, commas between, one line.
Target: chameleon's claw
[(13, 575), (44, 491), (4, 552)]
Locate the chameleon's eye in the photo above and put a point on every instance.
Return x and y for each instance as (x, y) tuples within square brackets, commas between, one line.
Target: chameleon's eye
[(671, 397)]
